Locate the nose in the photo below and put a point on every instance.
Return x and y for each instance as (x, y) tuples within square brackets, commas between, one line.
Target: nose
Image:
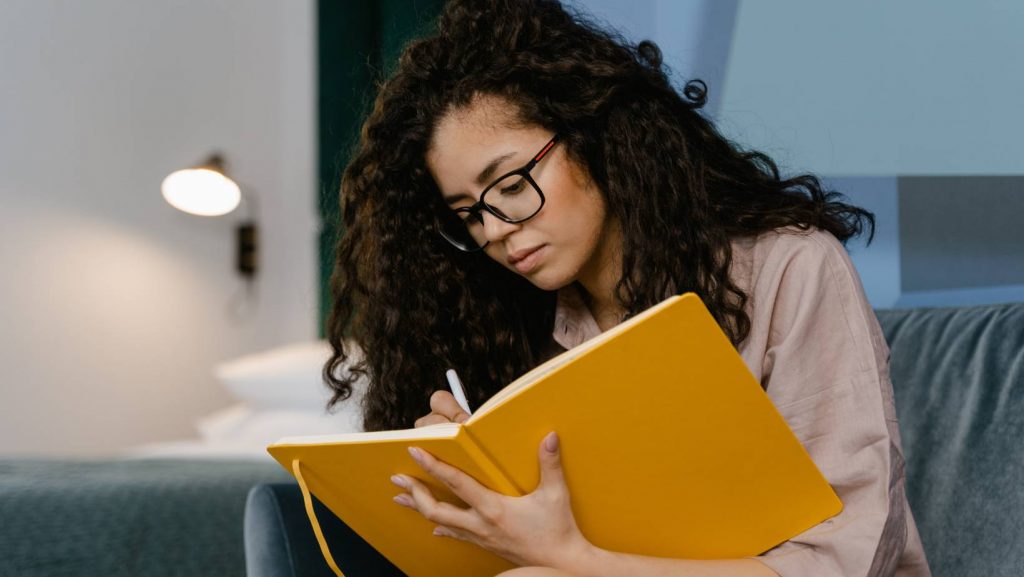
[(496, 229)]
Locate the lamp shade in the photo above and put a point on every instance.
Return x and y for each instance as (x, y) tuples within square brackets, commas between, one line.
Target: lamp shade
[(203, 190)]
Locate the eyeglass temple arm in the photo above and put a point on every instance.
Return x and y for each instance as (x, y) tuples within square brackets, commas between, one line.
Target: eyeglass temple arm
[(544, 151)]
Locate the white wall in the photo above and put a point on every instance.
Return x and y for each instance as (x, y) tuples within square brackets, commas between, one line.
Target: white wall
[(880, 88), (113, 304)]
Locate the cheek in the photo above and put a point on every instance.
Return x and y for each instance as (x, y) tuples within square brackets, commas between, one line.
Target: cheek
[(494, 252), (576, 219), (573, 228)]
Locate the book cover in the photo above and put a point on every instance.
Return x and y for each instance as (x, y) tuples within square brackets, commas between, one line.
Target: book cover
[(669, 445)]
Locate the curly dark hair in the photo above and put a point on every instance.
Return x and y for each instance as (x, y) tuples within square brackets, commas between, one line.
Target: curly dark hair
[(416, 306)]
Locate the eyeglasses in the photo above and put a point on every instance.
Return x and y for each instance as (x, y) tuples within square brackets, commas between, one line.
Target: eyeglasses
[(513, 198)]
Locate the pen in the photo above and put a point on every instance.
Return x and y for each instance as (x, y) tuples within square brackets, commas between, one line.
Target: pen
[(456, 386)]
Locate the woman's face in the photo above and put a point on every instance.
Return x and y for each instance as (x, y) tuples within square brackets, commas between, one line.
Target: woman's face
[(568, 240)]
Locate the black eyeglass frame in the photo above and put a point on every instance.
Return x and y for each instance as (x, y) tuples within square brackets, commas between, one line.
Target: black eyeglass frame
[(480, 205)]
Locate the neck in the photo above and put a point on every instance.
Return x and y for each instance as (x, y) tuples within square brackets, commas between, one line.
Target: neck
[(598, 280)]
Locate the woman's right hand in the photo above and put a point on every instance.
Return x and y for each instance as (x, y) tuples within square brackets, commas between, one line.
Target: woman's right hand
[(443, 409)]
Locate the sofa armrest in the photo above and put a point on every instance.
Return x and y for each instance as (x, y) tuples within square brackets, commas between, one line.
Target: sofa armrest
[(279, 540)]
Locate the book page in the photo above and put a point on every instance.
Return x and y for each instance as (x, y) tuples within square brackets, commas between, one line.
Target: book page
[(438, 431)]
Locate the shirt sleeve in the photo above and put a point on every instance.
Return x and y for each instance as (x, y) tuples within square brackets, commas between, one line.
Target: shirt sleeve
[(825, 367)]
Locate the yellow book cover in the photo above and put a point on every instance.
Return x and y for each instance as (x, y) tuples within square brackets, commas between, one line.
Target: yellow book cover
[(669, 446)]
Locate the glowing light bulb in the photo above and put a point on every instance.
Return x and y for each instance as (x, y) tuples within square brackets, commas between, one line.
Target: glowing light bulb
[(201, 191)]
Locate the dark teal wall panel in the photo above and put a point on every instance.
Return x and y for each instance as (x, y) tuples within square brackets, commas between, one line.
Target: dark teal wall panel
[(358, 42)]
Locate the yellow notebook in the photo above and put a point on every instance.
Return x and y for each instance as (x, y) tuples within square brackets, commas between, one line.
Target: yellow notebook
[(670, 448)]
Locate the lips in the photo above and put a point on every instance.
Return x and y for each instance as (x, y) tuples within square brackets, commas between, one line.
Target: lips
[(526, 261), (519, 255)]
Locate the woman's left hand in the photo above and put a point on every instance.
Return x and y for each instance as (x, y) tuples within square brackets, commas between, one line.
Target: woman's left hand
[(535, 529)]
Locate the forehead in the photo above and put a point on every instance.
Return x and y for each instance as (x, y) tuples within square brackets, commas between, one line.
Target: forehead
[(467, 139)]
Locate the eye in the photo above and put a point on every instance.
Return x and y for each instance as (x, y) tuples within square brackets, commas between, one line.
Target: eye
[(467, 215), (514, 187)]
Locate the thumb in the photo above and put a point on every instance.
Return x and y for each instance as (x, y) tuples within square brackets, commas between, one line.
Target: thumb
[(551, 461)]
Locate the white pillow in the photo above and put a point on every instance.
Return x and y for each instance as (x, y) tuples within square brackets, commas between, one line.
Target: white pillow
[(242, 424), (287, 377)]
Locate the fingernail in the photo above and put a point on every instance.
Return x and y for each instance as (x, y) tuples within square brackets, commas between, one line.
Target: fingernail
[(551, 442), (416, 454), (400, 481), (402, 500), (440, 532)]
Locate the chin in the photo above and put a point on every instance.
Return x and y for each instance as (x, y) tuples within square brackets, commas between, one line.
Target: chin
[(548, 281)]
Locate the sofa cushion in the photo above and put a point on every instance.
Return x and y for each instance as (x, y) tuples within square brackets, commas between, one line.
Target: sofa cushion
[(958, 378)]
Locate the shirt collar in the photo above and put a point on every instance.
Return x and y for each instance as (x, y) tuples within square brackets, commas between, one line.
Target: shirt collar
[(574, 324)]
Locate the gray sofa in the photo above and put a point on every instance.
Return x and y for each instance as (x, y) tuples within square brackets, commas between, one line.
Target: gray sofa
[(958, 376)]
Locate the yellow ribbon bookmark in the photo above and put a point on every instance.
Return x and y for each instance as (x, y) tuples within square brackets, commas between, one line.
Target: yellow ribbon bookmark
[(308, 500)]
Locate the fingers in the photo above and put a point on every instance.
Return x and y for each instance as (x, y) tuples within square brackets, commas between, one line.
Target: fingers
[(551, 476), (422, 500), (444, 403), (431, 419), (443, 409), (465, 487), (442, 531)]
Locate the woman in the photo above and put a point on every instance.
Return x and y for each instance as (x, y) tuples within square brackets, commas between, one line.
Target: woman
[(526, 181)]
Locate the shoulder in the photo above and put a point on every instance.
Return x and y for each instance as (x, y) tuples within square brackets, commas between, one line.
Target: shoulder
[(788, 243), (802, 285), (792, 259)]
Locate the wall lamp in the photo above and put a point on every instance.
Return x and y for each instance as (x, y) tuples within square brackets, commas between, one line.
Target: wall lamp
[(207, 190)]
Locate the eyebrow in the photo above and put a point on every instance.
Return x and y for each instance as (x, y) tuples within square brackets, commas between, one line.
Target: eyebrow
[(488, 171), (481, 179)]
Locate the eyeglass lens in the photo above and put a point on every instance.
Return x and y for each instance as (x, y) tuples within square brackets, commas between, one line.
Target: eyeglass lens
[(513, 198)]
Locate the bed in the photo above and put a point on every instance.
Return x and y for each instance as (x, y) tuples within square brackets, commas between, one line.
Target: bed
[(170, 508), (152, 516)]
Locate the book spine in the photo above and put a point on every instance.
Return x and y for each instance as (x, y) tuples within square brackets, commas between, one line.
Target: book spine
[(503, 482)]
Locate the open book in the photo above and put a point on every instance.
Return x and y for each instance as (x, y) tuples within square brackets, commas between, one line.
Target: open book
[(669, 445)]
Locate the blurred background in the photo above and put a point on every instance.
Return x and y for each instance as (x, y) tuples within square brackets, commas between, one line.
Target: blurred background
[(128, 327)]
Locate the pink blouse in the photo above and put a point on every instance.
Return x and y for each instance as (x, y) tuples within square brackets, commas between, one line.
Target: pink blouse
[(817, 349)]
